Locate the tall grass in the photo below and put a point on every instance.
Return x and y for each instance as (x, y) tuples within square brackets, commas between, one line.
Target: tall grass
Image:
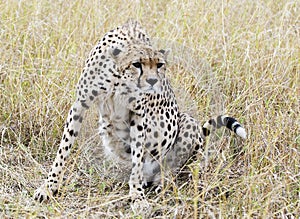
[(234, 57)]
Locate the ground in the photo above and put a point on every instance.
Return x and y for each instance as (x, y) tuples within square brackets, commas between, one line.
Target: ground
[(234, 57)]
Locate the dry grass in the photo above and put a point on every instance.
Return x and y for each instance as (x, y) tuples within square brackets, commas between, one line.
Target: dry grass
[(235, 57)]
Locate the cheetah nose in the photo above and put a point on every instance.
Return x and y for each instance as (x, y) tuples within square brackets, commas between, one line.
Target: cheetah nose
[(151, 81)]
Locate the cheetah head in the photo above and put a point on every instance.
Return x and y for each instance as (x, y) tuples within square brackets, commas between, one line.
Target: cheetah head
[(141, 66)]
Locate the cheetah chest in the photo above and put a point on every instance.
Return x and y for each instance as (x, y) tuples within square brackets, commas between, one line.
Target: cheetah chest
[(160, 129)]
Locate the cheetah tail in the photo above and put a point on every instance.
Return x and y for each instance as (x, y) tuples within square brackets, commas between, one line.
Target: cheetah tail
[(220, 121)]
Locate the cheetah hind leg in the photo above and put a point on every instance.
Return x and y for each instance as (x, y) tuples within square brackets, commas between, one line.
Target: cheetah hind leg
[(191, 136), (190, 140), (188, 144)]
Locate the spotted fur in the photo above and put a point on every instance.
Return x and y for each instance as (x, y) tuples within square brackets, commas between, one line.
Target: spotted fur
[(140, 123)]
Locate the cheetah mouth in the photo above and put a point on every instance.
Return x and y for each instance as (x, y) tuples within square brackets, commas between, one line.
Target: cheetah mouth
[(152, 90)]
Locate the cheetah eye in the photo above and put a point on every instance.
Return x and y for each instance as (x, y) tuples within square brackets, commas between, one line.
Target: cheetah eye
[(159, 65), (137, 64)]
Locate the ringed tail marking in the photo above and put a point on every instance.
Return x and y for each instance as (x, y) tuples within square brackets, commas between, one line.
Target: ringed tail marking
[(229, 122)]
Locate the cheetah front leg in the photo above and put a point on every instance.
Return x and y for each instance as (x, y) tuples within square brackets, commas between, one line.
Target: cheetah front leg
[(71, 131), (139, 203)]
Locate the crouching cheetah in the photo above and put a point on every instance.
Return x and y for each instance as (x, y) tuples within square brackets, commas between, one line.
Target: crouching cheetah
[(140, 123)]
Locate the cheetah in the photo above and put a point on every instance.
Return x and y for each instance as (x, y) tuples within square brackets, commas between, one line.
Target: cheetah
[(140, 123)]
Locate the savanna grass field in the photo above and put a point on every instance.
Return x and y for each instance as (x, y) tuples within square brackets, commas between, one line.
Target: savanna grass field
[(240, 58)]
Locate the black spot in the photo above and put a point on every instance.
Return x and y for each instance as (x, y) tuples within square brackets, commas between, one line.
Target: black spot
[(94, 92), (138, 107), (167, 115), (205, 131), (162, 51), (132, 123), (116, 51), (71, 132), (189, 146), (212, 122), (55, 192), (140, 128), (179, 139), (154, 152), (84, 104), (169, 127), (128, 150), (174, 134), (131, 99)]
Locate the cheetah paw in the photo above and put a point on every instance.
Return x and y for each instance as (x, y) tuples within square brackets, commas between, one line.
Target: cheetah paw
[(141, 207), (43, 193)]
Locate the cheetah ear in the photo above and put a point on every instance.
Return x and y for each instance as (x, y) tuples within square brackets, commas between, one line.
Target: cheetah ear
[(165, 52), (115, 52)]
